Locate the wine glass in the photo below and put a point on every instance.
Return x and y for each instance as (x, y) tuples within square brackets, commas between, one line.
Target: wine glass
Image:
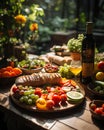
[(75, 68)]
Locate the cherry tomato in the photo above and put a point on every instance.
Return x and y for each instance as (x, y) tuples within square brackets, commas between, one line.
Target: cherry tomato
[(56, 98), (98, 111), (49, 89), (38, 92), (15, 88), (101, 65), (63, 98), (101, 109), (103, 106), (50, 104), (50, 95), (93, 106)]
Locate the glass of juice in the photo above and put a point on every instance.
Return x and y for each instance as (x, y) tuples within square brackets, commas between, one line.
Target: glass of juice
[(75, 68)]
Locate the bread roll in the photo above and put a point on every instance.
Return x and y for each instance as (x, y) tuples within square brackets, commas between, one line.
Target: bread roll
[(59, 60)]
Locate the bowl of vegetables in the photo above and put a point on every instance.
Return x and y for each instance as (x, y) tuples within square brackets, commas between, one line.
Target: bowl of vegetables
[(97, 109), (96, 88), (31, 66)]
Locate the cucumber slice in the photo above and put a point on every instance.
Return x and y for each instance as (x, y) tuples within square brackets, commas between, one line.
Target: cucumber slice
[(66, 89), (74, 96), (101, 83)]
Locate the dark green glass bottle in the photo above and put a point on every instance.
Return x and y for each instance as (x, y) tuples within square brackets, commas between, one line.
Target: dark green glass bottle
[(88, 54)]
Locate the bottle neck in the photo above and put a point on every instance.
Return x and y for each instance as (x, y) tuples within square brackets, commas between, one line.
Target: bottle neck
[(89, 28)]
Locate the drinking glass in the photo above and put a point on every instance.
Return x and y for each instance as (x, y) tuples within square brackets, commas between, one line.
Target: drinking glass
[(75, 68)]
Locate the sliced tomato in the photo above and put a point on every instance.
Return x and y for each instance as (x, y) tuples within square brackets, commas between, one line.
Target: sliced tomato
[(61, 91), (73, 83), (63, 81), (44, 95)]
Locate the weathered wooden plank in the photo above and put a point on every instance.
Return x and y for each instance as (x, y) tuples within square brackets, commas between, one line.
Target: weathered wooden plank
[(61, 126), (78, 124)]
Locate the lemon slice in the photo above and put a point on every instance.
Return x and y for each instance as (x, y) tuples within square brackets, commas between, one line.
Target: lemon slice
[(66, 89), (74, 96)]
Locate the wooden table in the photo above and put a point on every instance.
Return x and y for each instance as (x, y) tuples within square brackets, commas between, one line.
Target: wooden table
[(78, 118)]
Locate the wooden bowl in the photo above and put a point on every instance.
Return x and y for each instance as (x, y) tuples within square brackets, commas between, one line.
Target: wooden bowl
[(91, 87), (98, 104), (8, 81), (30, 71)]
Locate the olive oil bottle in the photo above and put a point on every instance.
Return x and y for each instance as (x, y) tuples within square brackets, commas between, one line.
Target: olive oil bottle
[(88, 54)]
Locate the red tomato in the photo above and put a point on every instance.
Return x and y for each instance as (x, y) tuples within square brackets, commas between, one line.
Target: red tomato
[(63, 98), (98, 110), (49, 89), (15, 88), (50, 95), (58, 88), (38, 92), (61, 92), (50, 104), (101, 65), (56, 98), (93, 106), (103, 106), (101, 109)]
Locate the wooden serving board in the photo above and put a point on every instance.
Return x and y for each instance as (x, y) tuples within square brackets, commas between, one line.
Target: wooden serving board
[(61, 107)]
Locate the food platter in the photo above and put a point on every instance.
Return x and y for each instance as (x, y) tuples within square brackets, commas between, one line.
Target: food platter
[(62, 106)]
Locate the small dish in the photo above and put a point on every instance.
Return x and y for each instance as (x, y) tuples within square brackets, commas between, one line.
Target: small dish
[(50, 68), (31, 66), (30, 71), (96, 109)]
